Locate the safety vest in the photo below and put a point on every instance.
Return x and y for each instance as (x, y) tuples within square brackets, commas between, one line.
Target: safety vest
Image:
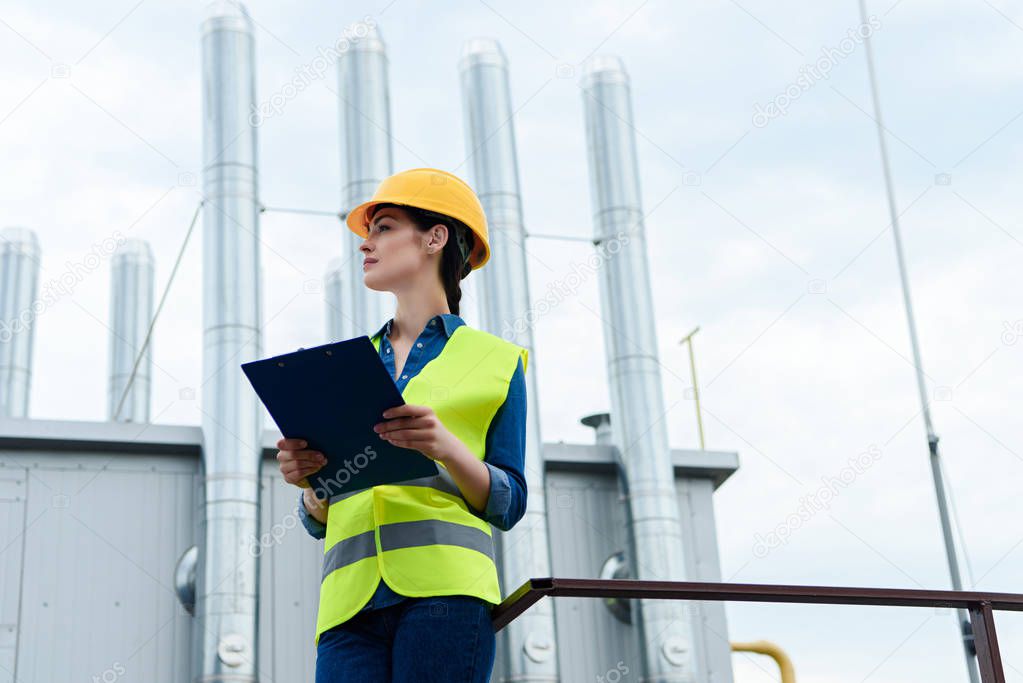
[(419, 535)]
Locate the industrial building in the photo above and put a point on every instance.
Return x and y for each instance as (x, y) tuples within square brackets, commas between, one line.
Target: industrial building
[(227, 587)]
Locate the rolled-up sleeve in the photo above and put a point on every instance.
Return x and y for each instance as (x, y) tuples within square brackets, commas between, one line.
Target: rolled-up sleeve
[(506, 458), (315, 527)]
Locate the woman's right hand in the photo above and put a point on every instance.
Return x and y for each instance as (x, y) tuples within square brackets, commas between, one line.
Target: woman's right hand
[(297, 462)]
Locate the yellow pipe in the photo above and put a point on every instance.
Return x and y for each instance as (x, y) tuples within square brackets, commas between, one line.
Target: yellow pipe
[(763, 647)]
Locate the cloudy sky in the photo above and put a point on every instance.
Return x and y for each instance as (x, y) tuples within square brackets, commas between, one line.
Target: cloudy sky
[(769, 232)]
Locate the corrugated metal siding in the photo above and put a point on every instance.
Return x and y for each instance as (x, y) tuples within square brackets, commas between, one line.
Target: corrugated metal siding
[(710, 632), (289, 585), (587, 523), (100, 571), (13, 500), (88, 591), (103, 536)]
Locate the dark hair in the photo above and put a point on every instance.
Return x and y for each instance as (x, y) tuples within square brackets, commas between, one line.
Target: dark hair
[(452, 267)]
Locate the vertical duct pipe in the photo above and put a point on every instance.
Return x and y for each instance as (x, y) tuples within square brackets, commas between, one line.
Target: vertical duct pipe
[(227, 604), (601, 424), (633, 366), (335, 292), (19, 282), (529, 641), (131, 312), (366, 159)]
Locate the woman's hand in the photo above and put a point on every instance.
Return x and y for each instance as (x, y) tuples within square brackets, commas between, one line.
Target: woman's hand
[(297, 463), (418, 427)]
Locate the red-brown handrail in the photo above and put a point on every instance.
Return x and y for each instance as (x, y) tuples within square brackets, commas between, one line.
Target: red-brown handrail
[(980, 605)]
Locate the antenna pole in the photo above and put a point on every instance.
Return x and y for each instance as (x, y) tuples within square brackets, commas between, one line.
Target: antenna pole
[(932, 438), (688, 340)]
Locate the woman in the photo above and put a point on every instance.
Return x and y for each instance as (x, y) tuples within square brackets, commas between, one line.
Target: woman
[(409, 573)]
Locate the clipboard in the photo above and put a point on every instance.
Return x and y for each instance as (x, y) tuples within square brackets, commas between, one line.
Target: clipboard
[(331, 396)]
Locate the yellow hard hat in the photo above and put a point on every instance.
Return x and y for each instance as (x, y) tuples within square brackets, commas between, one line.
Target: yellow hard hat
[(434, 190)]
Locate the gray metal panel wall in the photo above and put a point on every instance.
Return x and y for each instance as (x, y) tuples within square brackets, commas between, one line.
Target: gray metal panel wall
[(699, 533), (94, 573), (102, 537), (587, 524), (98, 574), (12, 528), (289, 590)]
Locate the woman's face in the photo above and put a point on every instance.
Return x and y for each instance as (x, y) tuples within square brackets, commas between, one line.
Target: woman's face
[(395, 251)]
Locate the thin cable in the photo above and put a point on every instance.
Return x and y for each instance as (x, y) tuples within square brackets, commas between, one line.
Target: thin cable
[(159, 308), (312, 212), (959, 532), (570, 238)]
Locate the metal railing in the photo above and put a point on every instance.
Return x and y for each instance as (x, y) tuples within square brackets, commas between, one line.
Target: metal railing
[(981, 606)]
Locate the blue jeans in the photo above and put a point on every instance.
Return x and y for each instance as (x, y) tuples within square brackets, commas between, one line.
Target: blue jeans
[(445, 638)]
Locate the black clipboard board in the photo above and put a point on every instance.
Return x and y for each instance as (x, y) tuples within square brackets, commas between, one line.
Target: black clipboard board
[(331, 396)]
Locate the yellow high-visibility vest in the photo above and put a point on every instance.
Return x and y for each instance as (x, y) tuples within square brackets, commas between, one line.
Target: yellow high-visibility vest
[(419, 535)]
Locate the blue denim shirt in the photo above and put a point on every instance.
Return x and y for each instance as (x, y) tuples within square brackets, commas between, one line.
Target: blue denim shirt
[(505, 447)]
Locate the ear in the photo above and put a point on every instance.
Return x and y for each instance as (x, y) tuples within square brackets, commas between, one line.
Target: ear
[(437, 237)]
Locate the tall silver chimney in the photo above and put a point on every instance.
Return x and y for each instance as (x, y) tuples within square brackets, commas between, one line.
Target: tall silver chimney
[(228, 574), (131, 312), (633, 368), (19, 282), (530, 639), (366, 160)]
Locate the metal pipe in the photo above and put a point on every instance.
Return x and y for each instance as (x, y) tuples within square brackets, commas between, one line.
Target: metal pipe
[(981, 606), (535, 588), (764, 647), (633, 367), (530, 645), (163, 299), (227, 602), (366, 159), (19, 283), (131, 312), (601, 424)]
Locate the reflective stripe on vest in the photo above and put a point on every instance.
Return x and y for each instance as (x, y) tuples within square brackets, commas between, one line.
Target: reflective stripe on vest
[(420, 536), (441, 482), (406, 535), (349, 550)]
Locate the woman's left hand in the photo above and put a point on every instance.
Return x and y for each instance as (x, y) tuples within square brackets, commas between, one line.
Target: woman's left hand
[(416, 427)]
